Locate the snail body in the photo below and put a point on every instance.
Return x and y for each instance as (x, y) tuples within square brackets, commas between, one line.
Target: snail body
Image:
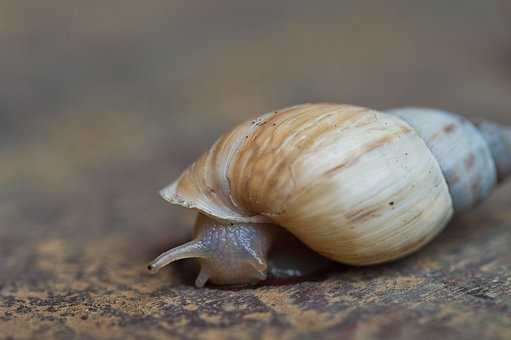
[(356, 186)]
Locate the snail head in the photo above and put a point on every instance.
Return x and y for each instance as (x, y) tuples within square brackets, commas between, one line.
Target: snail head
[(228, 253)]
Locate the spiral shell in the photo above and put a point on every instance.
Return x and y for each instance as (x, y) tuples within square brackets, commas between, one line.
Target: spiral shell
[(460, 149), (357, 186)]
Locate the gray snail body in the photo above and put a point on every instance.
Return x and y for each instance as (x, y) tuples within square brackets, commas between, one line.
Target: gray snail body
[(356, 186)]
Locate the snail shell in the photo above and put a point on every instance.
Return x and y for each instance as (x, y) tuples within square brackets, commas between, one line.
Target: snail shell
[(461, 150), (355, 185)]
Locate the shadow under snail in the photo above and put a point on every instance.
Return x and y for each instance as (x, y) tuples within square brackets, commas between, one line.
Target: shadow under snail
[(356, 186)]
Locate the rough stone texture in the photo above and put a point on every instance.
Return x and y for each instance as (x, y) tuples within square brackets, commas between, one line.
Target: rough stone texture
[(102, 106)]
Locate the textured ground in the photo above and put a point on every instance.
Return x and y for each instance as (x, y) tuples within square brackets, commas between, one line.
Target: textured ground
[(100, 106)]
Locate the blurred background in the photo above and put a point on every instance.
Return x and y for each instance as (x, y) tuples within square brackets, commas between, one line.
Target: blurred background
[(104, 102)]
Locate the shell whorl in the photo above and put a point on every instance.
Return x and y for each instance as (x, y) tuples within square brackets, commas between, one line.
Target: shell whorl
[(498, 139), (462, 151), (356, 185)]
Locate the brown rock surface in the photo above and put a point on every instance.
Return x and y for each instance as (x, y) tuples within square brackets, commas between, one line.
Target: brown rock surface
[(102, 106)]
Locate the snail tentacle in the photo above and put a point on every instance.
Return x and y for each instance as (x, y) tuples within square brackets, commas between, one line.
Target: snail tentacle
[(192, 249), (202, 278)]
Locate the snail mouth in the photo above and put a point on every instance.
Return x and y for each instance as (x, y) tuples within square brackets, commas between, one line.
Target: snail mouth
[(241, 271)]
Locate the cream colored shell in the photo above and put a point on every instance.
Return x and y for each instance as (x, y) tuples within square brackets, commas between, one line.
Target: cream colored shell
[(461, 151), (356, 185)]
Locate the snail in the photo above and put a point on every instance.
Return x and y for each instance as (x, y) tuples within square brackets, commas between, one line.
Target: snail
[(354, 185)]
